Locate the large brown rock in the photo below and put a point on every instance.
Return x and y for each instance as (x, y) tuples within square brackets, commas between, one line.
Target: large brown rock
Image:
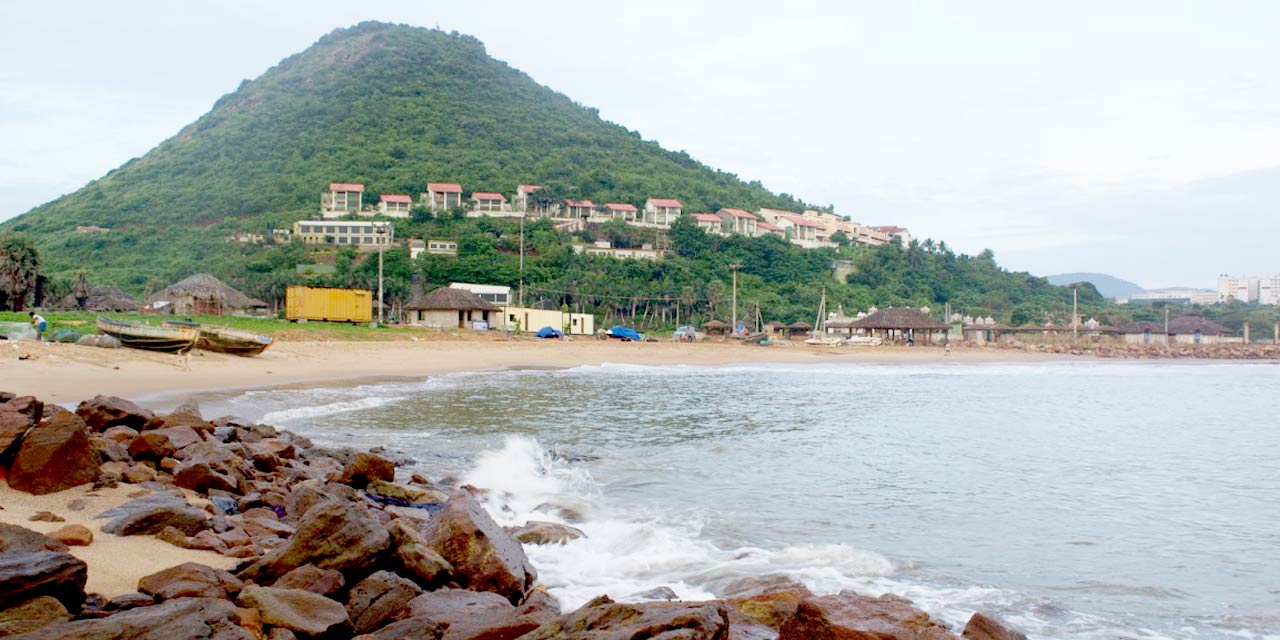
[(313, 579), (152, 514), (293, 609), (199, 474), (181, 619), (538, 609), (159, 443), (453, 606), (54, 456), (484, 557), (74, 535), (364, 468), (768, 601), (604, 619), (543, 532), (418, 562), (415, 628), (102, 412), (16, 417), (378, 599), (190, 580), (17, 538), (849, 616), (334, 535), (31, 615), (984, 626), (27, 574)]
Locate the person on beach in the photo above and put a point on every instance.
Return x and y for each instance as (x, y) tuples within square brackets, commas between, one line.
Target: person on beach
[(947, 346), (39, 324)]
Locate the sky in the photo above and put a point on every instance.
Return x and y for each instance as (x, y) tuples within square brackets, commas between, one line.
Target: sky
[(1138, 139)]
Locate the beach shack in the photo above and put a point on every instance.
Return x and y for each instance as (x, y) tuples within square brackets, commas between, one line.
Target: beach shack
[(1143, 332), (203, 294), (799, 329), (900, 324), (715, 327), (984, 333), (448, 307), (98, 298), (1193, 329)]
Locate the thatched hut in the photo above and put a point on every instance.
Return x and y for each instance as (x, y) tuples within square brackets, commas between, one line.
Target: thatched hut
[(985, 333), (203, 294), (1143, 332), (715, 327), (1193, 329), (774, 327), (901, 324), (450, 307), (99, 298), (800, 328)]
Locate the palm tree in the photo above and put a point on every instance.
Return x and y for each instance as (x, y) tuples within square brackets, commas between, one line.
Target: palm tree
[(19, 270)]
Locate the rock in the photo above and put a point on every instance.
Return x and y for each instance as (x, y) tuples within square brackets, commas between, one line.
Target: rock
[(78, 504), (93, 606), (454, 606), (334, 535), (181, 619), (27, 574), (158, 443), (377, 599), (102, 412), (418, 561), (365, 468), (853, 616), (412, 495), (484, 556), (151, 514), (415, 628), (280, 633), (542, 532), (110, 450), (138, 474), (73, 535), (17, 416), (46, 516), (120, 433), (54, 456), (293, 609), (199, 475), (313, 579), (16, 538), (538, 609), (604, 619), (765, 600), (656, 593), (190, 580), (988, 627), (188, 407), (31, 615), (129, 601)]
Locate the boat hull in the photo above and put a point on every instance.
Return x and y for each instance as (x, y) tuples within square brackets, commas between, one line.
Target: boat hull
[(166, 339), (240, 343)]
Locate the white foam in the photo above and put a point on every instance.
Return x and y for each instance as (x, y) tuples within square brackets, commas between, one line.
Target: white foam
[(284, 416)]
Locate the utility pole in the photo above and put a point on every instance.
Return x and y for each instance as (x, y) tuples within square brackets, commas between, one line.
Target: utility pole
[(1166, 324), (733, 326), (521, 293), (382, 242), (1075, 312)]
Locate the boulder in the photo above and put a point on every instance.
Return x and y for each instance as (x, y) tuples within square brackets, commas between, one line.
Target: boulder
[(983, 626), (198, 474), (127, 601), (484, 557), (138, 474), (313, 579), (181, 619), (453, 606), (102, 412), (406, 493), (27, 574), (765, 600), (190, 580), (854, 617), (17, 416), (153, 513), (604, 619), (16, 538), (120, 433), (364, 468), (293, 609), (158, 443), (418, 561), (542, 532), (334, 535), (415, 628), (377, 600), (31, 615), (74, 535), (46, 516), (54, 456)]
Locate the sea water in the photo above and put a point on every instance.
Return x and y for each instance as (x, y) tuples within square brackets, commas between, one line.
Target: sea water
[(1075, 499)]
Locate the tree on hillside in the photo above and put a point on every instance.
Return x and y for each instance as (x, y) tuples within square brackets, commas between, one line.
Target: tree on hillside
[(19, 270)]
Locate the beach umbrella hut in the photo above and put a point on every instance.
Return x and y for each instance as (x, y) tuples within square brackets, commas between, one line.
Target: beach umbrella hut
[(203, 294), (901, 324), (715, 327), (451, 307)]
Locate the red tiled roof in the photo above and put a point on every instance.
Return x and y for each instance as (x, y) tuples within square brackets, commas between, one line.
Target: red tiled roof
[(444, 187), (620, 206), (768, 227), (665, 202), (889, 229), (528, 188), (737, 213), (706, 217), (800, 221), (488, 195), (346, 186), (397, 198), (580, 203)]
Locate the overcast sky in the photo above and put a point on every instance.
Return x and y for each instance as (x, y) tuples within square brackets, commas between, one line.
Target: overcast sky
[(1140, 139)]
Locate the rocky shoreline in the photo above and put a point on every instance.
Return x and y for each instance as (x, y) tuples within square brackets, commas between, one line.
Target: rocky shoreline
[(1155, 351), (330, 545)]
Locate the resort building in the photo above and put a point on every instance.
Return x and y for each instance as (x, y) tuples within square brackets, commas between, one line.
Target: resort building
[(1192, 329), (622, 211), (797, 229), (898, 324), (341, 199), (1143, 332), (709, 222), (605, 248), (1269, 290), (498, 295), (488, 202), (580, 208), (362, 234), (661, 212), (442, 247), (395, 205), (871, 237), (520, 201), (450, 307), (526, 320), (767, 228), (738, 221), (900, 234), (442, 196)]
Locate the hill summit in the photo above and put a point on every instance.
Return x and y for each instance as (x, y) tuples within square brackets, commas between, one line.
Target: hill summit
[(392, 107)]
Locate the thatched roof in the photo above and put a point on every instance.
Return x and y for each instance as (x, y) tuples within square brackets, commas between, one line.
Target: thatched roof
[(101, 298), (1028, 326), (450, 299), (776, 324), (800, 326), (845, 324), (1186, 325), (203, 286), (715, 324), (900, 318), (1142, 327), (999, 326)]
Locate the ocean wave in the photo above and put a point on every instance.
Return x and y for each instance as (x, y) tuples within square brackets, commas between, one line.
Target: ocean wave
[(285, 416)]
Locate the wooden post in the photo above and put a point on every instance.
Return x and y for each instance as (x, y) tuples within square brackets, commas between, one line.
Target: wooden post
[(1246, 332)]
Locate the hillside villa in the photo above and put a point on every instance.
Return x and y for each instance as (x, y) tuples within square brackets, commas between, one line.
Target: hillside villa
[(341, 199), (622, 211), (489, 202), (661, 212), (738, 221), (709, 222), (395, 205), (442, 196), (580, 208)]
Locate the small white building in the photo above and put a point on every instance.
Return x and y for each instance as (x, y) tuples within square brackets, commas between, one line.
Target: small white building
[(527, 320), (661, 212), (580, 208), (520, 201), (497, 295), (738, 221), (395, 205), (489, 202), (709, 222), (442, 196), (622, 211), (341, 199), (442, 247)]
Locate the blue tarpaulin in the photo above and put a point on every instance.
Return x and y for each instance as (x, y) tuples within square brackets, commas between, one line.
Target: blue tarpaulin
[(550, 332), (625, 333)]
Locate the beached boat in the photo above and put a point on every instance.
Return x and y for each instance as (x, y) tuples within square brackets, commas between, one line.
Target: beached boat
[(167, 338), (820, 336), (226, 339)]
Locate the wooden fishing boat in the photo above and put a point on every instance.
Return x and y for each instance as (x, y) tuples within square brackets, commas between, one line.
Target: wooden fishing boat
[(166, 338), (226, 339)]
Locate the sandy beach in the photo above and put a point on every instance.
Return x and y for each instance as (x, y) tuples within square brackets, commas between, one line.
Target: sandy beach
[(65, 373)]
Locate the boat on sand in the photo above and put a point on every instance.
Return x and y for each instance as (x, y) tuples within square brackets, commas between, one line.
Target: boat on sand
[(166, 338), (227, 340)]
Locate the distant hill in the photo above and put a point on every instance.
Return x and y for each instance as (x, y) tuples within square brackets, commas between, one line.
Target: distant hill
[(1109, 286)]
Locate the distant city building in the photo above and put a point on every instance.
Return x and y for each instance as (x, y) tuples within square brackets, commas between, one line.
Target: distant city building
[(362, 234), (1175, 295), (341, 199), (1240, 289), (395, 205), (1269, 290)]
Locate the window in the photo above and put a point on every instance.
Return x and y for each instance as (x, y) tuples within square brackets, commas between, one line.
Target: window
[(331, 229), (369, 240)]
